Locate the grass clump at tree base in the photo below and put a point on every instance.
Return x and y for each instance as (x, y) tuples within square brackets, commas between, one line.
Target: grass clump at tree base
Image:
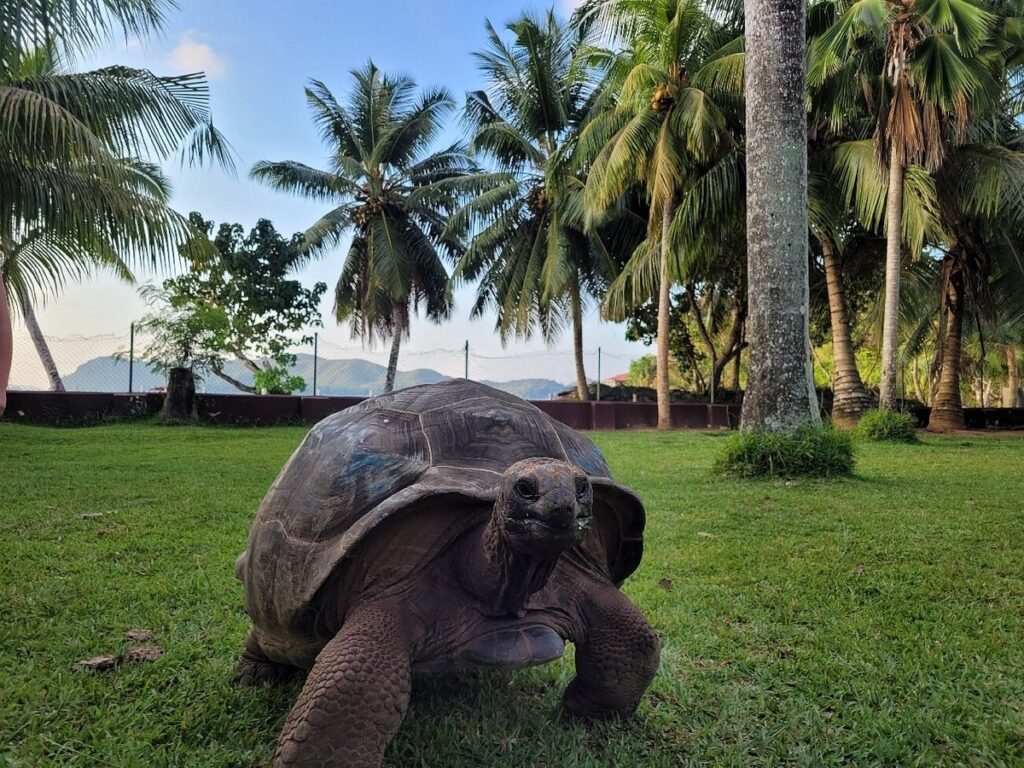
[(887, 426), (808, 452)]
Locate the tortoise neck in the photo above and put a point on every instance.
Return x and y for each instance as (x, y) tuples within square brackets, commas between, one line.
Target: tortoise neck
[(502, 577)]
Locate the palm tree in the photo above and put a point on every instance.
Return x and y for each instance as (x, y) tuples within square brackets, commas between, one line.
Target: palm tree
[(392, 194), (982, 277), (531, 251), (661, 127), (922, 68), (70, 142), (780, 391)]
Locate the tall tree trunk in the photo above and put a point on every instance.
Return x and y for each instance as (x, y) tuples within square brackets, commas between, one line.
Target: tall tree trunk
[(780, 388), (6, 346), (1012, 377), (850, 396), (582, 388), (39, 341), (948, 411), (664, 305), (397, 328), (891, 318)]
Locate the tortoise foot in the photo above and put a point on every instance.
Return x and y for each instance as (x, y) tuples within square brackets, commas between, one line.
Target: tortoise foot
[(255, 668)]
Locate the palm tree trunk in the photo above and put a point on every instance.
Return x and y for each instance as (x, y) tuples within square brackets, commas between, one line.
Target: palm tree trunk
[(664, 301), (397, 328), (39, 341), (780, 393), (891, 319), (850, 397), (6, 346), (948, 411), (582, 388), (1012, 377)]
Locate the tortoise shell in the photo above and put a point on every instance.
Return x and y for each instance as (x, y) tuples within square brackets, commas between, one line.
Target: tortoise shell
[(380, 459)]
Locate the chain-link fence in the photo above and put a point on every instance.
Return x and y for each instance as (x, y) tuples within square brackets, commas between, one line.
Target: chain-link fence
[(116, 363)]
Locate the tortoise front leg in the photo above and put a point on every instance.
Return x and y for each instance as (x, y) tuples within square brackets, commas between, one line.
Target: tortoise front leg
[(617, 655), (354, 698)]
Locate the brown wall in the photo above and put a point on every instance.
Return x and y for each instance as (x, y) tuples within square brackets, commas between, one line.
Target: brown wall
[(82, 408)]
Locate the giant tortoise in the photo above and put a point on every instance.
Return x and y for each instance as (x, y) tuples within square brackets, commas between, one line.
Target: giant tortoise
[(435, 528)]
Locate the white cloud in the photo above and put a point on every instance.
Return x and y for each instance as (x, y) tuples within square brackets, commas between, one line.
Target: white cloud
[(568, 6), (192, 55)]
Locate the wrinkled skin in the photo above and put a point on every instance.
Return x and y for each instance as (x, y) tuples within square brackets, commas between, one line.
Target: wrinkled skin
[(508, 593)]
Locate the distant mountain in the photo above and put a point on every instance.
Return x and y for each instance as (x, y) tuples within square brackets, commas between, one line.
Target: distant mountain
[(345, 378)]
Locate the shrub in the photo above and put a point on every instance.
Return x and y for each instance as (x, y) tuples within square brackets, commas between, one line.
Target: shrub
[(809, 452), (890, 426)]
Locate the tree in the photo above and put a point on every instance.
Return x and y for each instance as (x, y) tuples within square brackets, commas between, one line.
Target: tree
[(70, 143), (922, 66), (780, 392), (394, 197), (530, 248), (182, 346), (240, 296), (662, 127)]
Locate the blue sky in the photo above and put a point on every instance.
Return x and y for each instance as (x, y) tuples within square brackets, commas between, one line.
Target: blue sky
[(259, 56)]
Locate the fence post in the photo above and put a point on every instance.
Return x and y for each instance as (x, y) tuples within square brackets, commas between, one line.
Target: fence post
[(131, 358), (466, 365), (599, 374), (316, 350)]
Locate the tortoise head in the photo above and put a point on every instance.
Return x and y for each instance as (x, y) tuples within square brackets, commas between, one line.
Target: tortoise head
[(544, 507)]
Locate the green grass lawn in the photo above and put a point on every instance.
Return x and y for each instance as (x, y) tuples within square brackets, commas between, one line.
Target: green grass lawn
[(871, 621)]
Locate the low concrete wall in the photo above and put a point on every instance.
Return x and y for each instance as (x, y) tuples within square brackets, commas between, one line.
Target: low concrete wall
[(84, 408)]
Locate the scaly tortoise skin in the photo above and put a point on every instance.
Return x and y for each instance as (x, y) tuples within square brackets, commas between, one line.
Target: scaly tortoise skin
[(435, 528)]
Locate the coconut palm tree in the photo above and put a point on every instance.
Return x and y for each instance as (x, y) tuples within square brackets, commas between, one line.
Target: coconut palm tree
[(922, 67), (661, 126), (392, 194), (536, 261), (70, 142)]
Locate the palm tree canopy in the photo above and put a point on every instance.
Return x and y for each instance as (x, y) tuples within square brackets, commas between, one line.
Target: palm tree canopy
[(392, 193), (529, 247), (74, 187), (668, 122)]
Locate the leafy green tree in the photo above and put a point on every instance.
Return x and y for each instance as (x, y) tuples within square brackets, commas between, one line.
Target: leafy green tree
[(662, 126), (393, 196), (240, 294), (536, 261)]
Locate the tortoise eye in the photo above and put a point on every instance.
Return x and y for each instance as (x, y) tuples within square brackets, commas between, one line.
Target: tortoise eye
[(526, 489), (582, 488)]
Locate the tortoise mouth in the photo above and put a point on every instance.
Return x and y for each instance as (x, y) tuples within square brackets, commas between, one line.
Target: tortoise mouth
[(533, 533)]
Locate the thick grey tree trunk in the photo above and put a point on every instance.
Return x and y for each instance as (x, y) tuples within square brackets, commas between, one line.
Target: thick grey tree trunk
[(780, 383), (39, 341), (397, 329), (664, 302), (582, 388), (891, 318), (850, 396)]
